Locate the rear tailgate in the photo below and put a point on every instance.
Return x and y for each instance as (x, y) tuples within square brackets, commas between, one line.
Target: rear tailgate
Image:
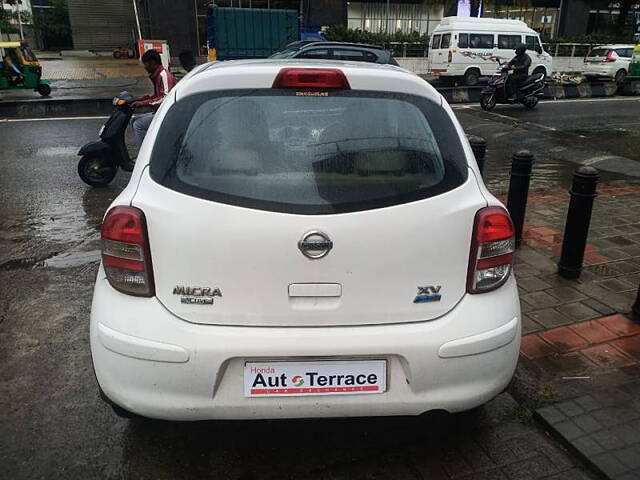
[(243, 182), (379, 259), (597, 55)]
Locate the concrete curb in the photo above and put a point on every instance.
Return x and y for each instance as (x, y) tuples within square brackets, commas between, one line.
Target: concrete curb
[(551, 91), (630, 87), (50, 107), (55, 108)]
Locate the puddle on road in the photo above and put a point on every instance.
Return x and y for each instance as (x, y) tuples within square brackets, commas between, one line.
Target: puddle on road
[(614, 140), (69, 150), (73, 259)]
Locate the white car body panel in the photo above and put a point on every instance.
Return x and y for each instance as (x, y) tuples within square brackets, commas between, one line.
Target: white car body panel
[(159, 358), (599, 67), (464, 59), (210, 384), (252, 257)]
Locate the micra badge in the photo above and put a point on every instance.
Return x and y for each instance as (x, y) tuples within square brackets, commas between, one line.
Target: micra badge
[(428, 294), (197, 295)]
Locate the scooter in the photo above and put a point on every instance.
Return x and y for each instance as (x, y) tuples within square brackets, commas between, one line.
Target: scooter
[(101, 159), (529, 91)]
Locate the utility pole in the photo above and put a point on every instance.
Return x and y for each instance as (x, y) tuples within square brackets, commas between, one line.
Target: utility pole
[(135, 11), (387, 23), (195, 11), (559, 18), (2, 7), (20, 19)]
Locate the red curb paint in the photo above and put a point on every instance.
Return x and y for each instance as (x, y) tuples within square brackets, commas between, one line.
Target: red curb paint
[(593, 332), (568, 363), (544, 231), (629, 345), (533, 346), (593, 258), (606, 355), (564, 339), (620, 325)]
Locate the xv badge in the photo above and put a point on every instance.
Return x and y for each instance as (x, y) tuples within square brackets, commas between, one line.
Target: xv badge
[(430, 293)]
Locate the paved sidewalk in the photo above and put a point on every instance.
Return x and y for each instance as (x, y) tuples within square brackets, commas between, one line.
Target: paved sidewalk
[(579, 343), (79, 90), (602, 424), (611, 275), (91, 68)]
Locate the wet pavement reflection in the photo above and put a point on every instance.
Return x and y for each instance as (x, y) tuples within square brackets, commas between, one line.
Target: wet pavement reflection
[(52, 423)]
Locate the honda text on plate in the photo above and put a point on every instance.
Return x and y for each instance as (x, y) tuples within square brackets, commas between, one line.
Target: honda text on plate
[(304, 239)]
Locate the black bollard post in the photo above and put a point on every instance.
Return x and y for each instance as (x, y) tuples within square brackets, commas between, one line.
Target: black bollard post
[(583, 192), (479, 147), (635, 310), (519, 190)]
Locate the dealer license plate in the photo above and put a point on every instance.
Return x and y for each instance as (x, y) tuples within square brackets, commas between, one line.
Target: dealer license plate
[(298, 379)]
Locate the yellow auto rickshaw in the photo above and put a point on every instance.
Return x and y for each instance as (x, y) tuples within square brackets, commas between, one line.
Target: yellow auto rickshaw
[(20, 69)]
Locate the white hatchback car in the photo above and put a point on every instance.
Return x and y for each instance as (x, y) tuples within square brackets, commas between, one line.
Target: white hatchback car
[(304, 239), (611, 61)]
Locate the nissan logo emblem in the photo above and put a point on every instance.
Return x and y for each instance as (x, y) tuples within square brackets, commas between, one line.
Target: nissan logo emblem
[(315, 245)]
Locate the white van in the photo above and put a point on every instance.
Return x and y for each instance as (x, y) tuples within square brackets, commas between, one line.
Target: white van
[(468, 47)]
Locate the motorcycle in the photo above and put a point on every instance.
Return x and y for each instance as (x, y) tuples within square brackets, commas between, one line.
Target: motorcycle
[(102, 158), (497, 91)]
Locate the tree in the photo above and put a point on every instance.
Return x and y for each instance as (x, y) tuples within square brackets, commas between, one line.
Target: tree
[(625, 6), (6, 22), (53, 25), (54, 22)]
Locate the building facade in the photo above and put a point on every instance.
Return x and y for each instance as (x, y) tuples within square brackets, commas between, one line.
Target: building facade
[(101, 25), (405, 16)]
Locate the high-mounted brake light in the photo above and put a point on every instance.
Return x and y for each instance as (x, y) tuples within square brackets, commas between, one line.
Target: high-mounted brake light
[(311, 78), (126, 255), (492, 248)]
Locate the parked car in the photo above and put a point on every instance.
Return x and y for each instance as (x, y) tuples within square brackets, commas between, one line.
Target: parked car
[(467, 48), (275, 256), (358, 52), (610, 61)]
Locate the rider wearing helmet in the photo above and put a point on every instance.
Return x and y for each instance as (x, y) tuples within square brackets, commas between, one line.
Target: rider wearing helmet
[(520, 65)]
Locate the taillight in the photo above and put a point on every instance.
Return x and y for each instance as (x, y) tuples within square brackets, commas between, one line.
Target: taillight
[(450, 56), (610, 57), (311, 78), (126, 255), (492, 248)]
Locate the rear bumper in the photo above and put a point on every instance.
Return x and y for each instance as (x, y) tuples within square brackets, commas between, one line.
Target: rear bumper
[(154, 364), (600, 72)]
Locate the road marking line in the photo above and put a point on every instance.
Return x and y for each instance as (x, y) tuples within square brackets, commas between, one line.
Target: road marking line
[(500, 134), (600, 158), (561, 101), (49, 119), (523, 122)]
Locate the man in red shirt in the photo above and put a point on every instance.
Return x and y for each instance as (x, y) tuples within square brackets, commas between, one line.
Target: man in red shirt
[(163, 81)]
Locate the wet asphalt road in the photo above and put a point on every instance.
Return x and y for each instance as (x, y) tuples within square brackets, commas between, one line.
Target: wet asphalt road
[(52, 423)]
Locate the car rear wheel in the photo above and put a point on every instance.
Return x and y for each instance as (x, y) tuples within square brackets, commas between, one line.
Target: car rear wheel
[(471, 77), (621, 75), (488, 101)]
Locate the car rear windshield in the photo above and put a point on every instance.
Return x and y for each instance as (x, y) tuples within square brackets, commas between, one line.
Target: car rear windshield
[(598, 52), (308, 152), (287, 53)]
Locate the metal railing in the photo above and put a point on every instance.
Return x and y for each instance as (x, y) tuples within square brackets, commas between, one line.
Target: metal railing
[(567, 49), (407, 49)]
